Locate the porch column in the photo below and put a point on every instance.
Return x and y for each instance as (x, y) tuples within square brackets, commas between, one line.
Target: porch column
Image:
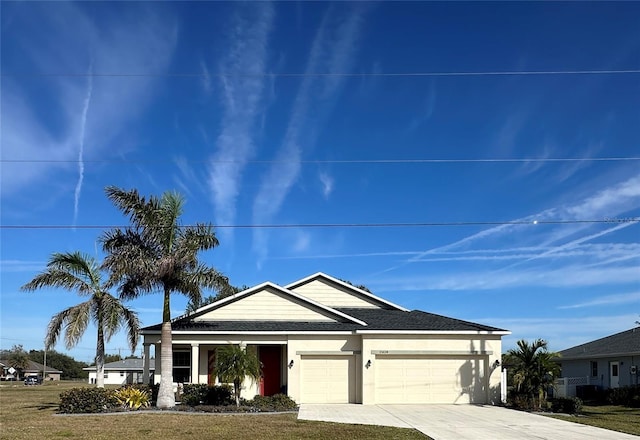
[(195, 363), (157, 349), (145, 363)]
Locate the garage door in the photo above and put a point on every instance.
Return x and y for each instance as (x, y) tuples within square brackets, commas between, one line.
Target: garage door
[(327, 379), (421, 379)]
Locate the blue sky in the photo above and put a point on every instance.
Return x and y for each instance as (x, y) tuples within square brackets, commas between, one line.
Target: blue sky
[(295, 113)]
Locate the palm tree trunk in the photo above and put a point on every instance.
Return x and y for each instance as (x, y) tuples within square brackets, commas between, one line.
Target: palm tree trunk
[(166, 398), (100, 357)]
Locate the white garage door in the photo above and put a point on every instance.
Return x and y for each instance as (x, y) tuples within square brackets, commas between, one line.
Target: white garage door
[(327, 379), (422, 379)]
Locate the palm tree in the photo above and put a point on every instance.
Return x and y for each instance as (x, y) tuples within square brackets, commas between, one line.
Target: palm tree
[(158, 254), (79, 272), (533, 369), (233, 364)]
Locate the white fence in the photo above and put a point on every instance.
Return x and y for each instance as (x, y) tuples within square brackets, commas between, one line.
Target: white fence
[(566, 386)]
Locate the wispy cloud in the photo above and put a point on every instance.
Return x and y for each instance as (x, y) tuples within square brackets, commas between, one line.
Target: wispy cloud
[(21, 266), (136, 43), (332, 51), (242, 100), (608, 202), (327, 184), (561, 332), (607, 300), (83, 127)]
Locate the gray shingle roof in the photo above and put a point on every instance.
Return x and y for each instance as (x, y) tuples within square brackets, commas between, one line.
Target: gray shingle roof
[(125, 365), (623, 343), (32, 367), (376, 319)]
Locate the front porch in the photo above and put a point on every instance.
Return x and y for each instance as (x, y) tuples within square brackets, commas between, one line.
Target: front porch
[(195, 364)]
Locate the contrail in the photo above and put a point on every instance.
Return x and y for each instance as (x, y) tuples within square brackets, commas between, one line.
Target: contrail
[(83, 125)]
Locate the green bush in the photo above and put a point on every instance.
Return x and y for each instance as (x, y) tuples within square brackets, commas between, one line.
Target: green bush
[(567, 405), (277, 402), (87, 400), (203, 394), (626, 396)]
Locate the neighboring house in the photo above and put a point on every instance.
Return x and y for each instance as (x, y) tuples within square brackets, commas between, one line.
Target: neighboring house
[(127, 371), (321, 340), (610, 362), (34, 369)]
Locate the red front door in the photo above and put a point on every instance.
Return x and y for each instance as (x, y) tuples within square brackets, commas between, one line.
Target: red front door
[(271, 360)]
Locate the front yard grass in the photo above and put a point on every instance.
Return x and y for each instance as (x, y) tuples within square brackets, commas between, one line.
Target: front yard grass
[(615, 418), (28, 412)]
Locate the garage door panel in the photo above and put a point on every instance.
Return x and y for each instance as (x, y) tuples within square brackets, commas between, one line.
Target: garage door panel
[(430, 379), (327, 379)]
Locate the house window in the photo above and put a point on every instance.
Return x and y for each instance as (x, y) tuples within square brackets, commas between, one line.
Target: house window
[(594, 369), (181, 366)]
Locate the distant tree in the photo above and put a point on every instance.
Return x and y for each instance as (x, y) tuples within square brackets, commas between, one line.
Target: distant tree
[(71, 368), (18, 359), (357, 286), (108, 358), (75, 271), (234, 364), (157, 253), (533, 370), (224, 293)]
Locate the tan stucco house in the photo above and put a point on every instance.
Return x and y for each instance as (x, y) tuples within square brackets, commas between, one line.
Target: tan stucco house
[(321, 340)]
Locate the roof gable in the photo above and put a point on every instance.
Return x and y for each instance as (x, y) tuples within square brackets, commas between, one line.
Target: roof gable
[(270, 302), (333, 292), (623, 343)]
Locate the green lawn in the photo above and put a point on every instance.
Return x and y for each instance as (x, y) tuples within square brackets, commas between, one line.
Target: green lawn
[(616, 418), (28, 412)]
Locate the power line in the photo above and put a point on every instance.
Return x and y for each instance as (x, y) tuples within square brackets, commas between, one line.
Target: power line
[(332, 74), (352, 225), (336, 161)]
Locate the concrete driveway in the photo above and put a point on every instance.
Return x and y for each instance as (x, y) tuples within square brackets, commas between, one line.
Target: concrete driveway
[(460, 422)]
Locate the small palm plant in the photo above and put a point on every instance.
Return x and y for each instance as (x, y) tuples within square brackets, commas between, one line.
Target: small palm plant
[(234, 364), (132, 398), (534, 370)]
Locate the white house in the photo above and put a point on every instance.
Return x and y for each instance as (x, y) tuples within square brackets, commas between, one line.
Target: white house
[(321, 340), (127, 371)]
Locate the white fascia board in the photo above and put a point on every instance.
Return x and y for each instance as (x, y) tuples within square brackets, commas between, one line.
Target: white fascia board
[(228, 299), (346, 285), (432, 332), (281, 289), (191, 332)]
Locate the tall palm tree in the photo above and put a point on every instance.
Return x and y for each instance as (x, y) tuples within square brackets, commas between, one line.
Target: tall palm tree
[(79, 272), (234, 364), (533, 369), (158, 254)]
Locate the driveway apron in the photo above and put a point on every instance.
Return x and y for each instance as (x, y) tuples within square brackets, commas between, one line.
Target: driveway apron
[(460, 422)]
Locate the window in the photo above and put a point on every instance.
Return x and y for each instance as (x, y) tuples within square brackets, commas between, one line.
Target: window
[(106, 375), (594, 369), (614, 370), (122, 374), (181, 366)]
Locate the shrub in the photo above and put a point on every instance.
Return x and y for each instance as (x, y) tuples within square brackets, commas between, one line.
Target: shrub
[(132, 398), (202, 394), (277, 402), (567, 405), (626, 396), (87, 400)]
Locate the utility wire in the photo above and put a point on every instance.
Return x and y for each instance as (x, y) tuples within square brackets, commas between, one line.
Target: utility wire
[(336, 161), (351, 225), (331, 74)]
